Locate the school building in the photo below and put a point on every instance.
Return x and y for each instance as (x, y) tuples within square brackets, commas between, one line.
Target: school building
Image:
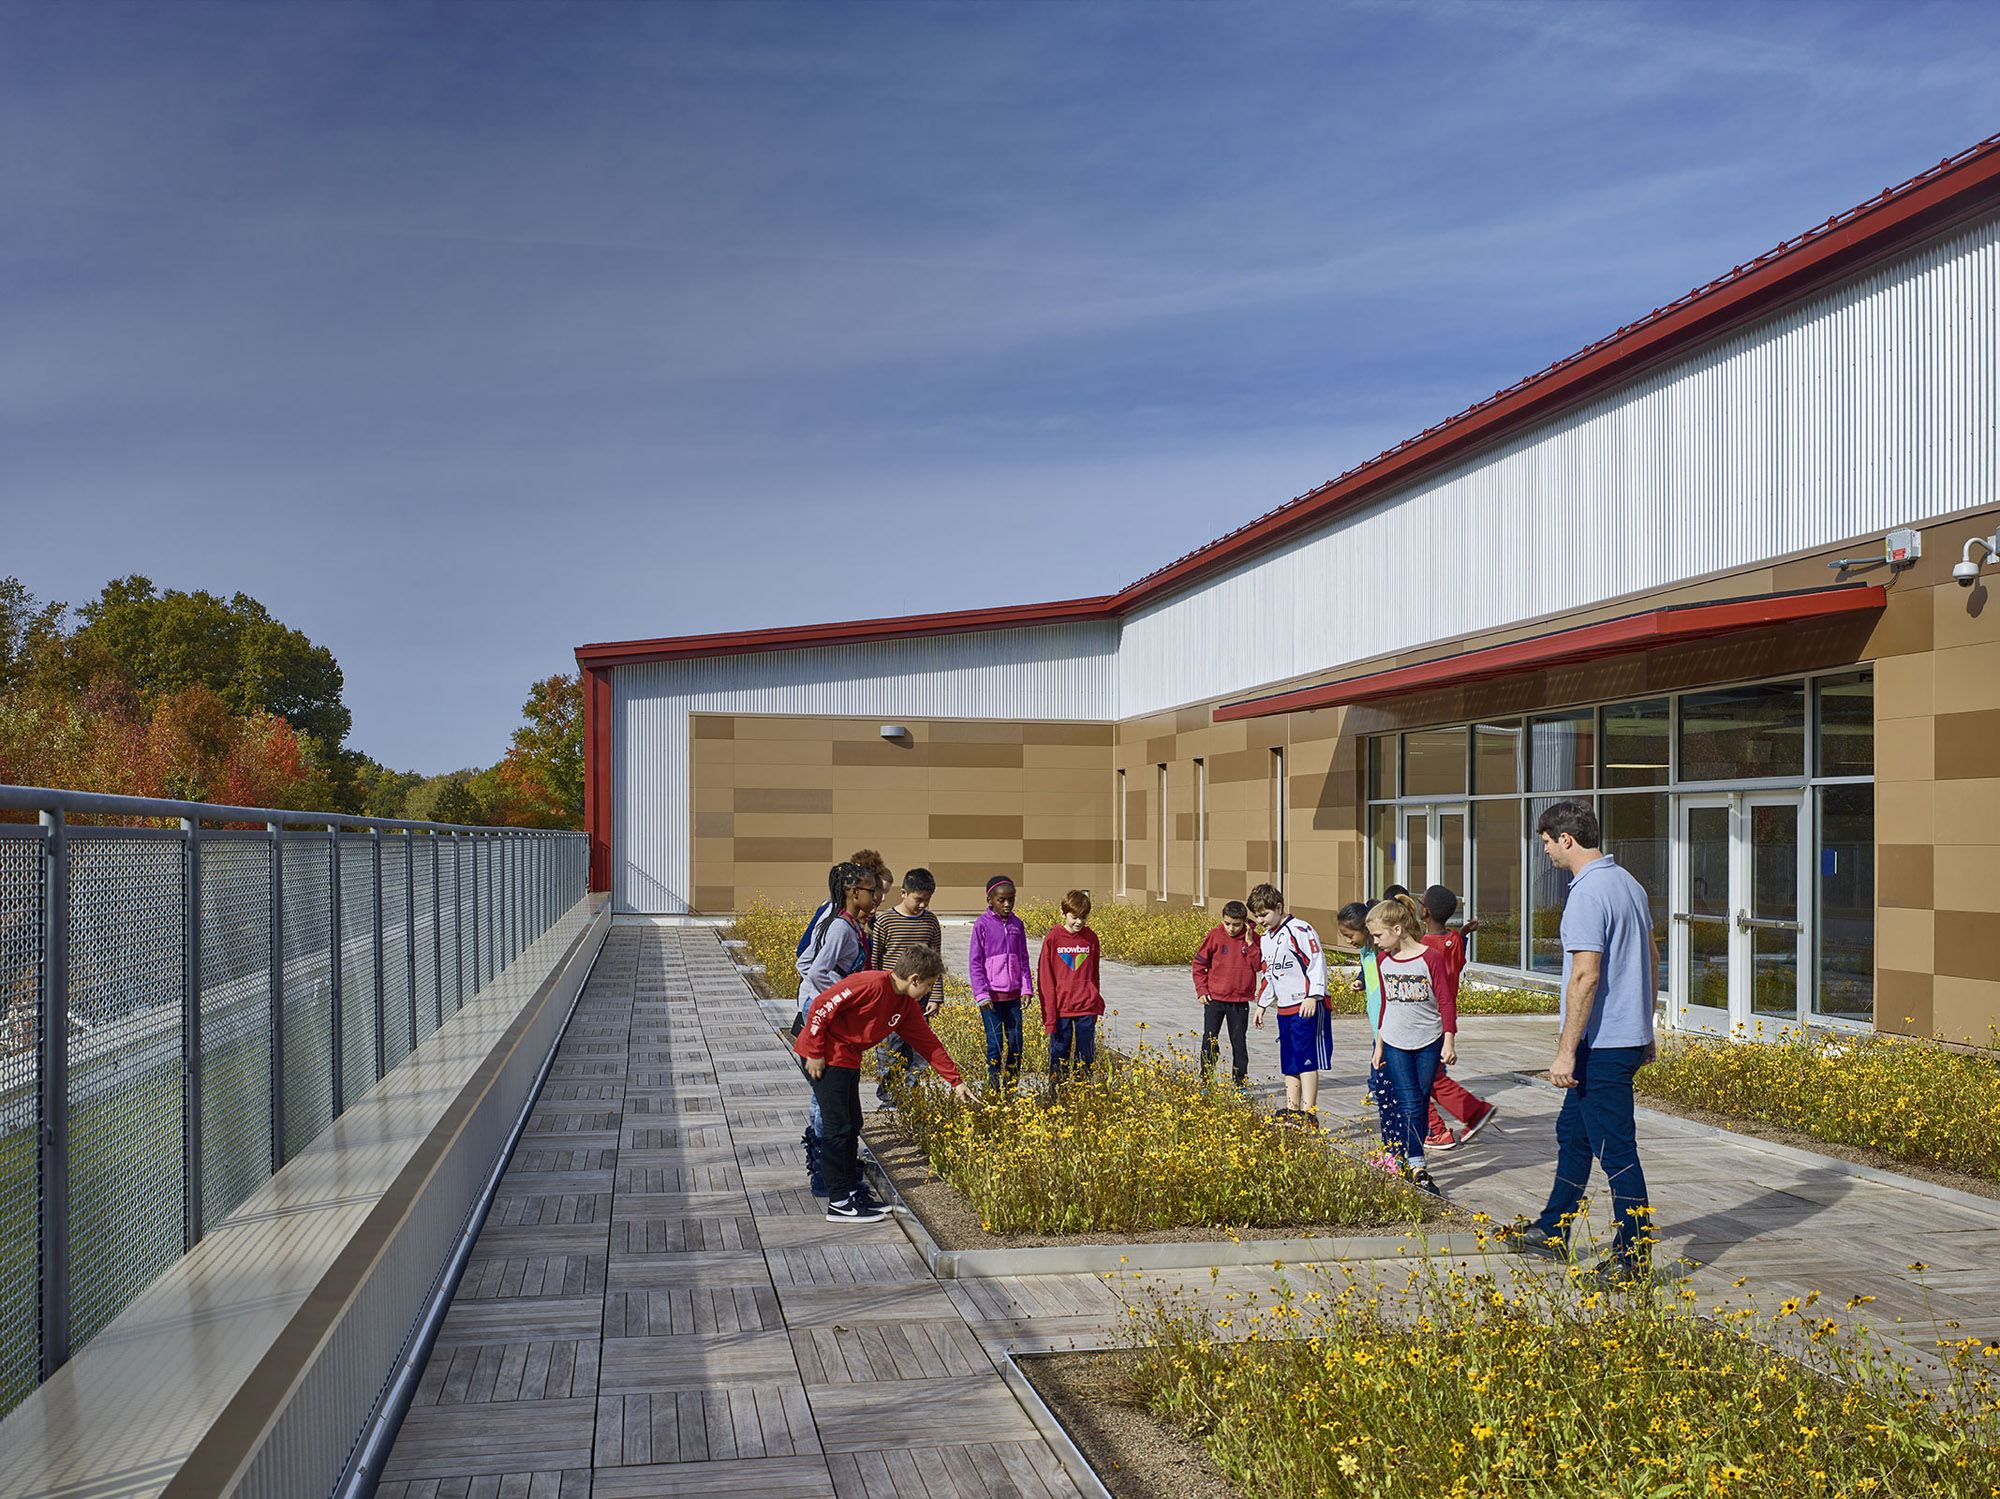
[(1722, 572)]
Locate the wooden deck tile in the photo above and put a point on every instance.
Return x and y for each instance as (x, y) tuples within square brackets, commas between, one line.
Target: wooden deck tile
[(681, 1311), (630, 1365), (851, 1261), (525, 1436), (689, 1234), (489, 1277), (644, 1171), (884, 1414), (474, 1373), (758, 1478), (906, 1301), (566, 1483), (877, 1351), (544, 1238), (703, 1426), (628, 1272), (518, 1320)]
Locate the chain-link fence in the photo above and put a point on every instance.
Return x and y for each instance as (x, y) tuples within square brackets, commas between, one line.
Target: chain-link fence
[(224, 995)]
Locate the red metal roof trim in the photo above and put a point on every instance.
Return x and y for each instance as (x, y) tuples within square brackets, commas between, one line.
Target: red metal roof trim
[(1613, 637), (794, 637), (1958, 188)]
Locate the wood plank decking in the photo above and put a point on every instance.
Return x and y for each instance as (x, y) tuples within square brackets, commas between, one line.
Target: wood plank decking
[(658, 1307)]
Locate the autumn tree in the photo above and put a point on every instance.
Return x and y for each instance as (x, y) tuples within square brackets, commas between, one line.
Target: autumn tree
[(544, 768), (254, 664)]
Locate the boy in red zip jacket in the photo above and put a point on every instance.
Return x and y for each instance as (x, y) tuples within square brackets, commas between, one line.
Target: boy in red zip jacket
[(1071, 999), (1225, 981), (1437, 906), (855, 1014)]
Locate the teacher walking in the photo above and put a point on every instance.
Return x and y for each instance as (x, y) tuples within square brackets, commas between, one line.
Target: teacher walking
[(1610, 979)]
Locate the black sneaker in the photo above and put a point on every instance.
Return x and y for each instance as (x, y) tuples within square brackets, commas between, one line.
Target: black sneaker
[(1421, 1180), (865, 1194), (1536, 1245), (856, 1209)]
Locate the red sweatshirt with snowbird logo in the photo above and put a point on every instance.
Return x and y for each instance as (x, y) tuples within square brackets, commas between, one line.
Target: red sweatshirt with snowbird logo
[(1067, 977)]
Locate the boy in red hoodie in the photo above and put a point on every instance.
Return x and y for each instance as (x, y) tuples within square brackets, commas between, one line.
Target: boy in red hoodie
[(855, 1014), (1225, 981), (1071, 1000)]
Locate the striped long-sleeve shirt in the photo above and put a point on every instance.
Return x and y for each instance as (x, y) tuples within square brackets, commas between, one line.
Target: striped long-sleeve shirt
[(896, 933)]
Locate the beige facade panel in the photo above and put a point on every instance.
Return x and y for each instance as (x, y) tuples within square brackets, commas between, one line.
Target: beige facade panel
[(1963, 1009), (955, 798), (1968, 877)]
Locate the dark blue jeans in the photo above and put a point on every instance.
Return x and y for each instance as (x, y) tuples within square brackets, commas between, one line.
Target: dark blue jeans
[(1596, 1122), (1074, 1045), (1002, 1018), (1411, 1074)]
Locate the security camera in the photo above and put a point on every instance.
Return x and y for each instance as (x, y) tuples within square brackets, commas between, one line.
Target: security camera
[(1965, 572)]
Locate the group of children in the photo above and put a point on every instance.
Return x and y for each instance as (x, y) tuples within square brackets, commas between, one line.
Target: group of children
[(869, 977), (1410, 962)]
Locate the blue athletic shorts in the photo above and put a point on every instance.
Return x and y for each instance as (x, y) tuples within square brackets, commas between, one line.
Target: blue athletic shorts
[(1305, 1045)]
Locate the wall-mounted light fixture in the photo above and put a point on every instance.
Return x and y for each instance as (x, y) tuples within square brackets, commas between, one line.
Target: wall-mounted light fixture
[(894, 731)]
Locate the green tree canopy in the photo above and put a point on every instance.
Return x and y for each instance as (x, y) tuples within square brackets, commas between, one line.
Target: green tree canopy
[(168, 641), (28, 628)]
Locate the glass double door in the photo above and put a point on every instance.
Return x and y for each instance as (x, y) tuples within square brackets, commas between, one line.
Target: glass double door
[(1432, 848), (1739, 917)]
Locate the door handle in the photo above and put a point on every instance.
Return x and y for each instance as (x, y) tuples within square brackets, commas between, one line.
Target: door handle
[(1745, 921)]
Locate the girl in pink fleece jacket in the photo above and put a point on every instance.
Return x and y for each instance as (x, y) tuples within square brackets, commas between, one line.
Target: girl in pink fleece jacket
[(1001, 978)]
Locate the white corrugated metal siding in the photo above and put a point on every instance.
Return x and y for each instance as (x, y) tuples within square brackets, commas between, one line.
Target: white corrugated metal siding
[(1049, 672), (1868, 407)]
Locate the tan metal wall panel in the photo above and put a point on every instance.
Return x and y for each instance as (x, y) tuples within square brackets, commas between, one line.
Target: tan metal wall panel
[(1054, 672)]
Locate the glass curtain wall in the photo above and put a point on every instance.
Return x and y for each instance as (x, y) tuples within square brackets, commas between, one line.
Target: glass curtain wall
[(1813, 736)]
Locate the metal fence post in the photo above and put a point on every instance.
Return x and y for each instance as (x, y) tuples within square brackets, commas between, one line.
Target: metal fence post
[(437, 922), (472, 847), (55, 1097), (457, 928), (277, 832), (410, 925), (191, 1027), (334, 988), (381, 979)]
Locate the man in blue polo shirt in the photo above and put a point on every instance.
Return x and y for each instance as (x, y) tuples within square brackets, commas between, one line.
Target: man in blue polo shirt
[(1610, 968)]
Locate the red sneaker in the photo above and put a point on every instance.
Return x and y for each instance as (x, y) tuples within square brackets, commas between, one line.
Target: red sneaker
[(1478, 1124), (1439, 1140)]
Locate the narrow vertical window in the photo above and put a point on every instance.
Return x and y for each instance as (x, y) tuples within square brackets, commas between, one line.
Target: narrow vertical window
[(1124, 826), (1160, 789), (1201, 832), (1278, 817)]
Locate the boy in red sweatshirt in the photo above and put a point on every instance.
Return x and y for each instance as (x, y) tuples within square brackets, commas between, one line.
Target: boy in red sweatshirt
[(1225, 981), (1071, 1000), (855, 1014)]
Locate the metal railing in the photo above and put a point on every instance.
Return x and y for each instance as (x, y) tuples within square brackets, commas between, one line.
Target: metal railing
[(224, 994)]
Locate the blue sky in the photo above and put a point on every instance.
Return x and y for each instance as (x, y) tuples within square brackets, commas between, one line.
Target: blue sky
[(460, 334)]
